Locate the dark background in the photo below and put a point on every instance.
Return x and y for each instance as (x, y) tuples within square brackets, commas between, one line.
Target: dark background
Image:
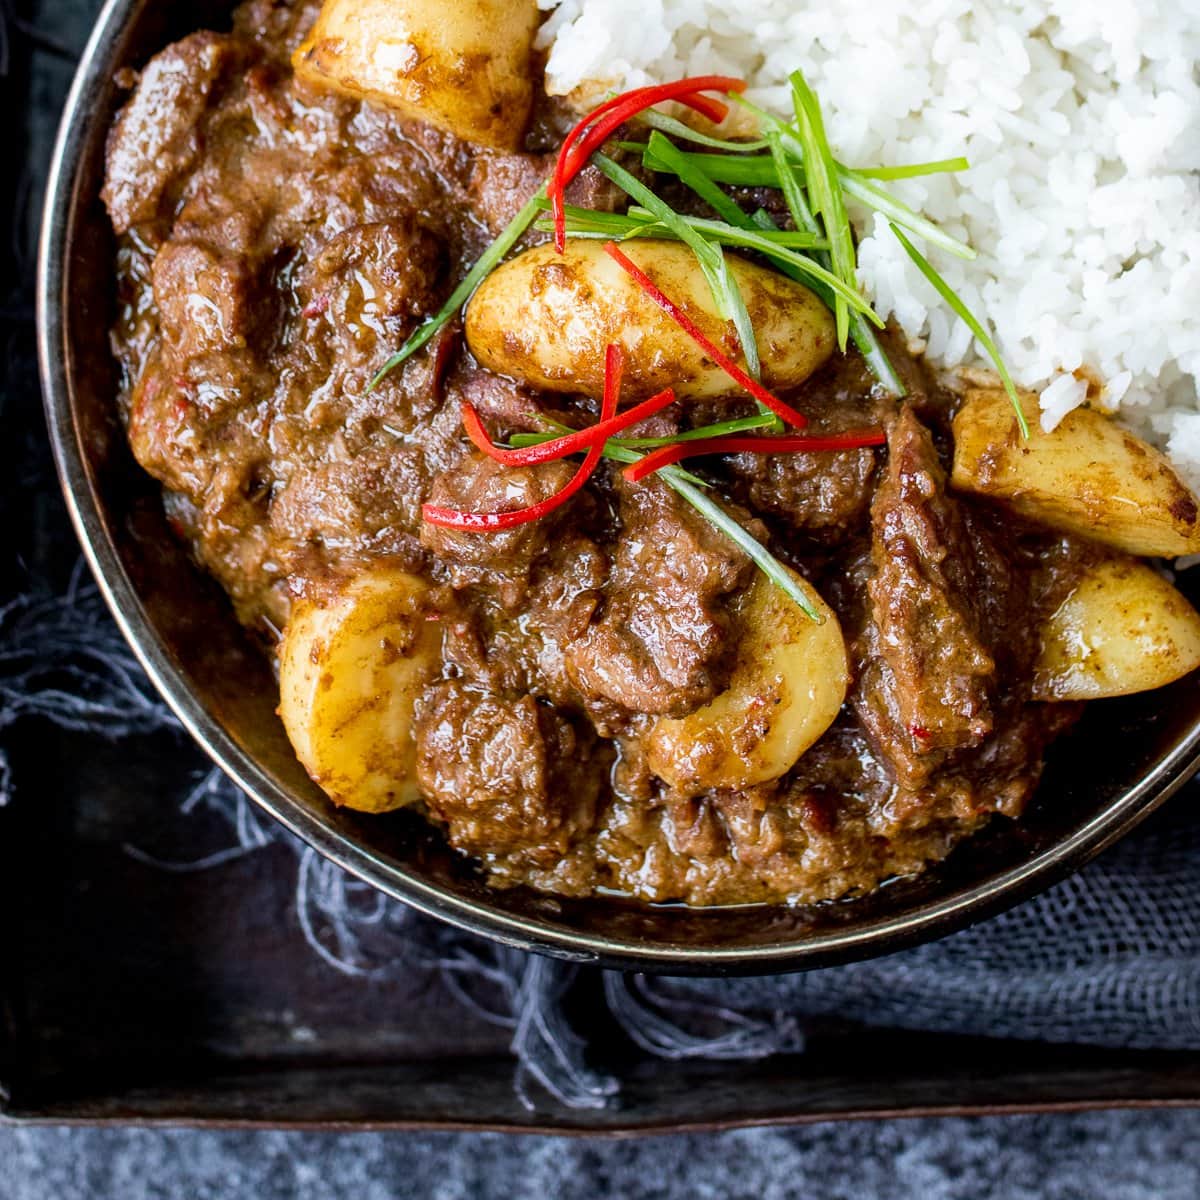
[(1123, 1154)]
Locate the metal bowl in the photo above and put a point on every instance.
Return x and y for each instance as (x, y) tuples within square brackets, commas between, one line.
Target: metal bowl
[(1124, 760)]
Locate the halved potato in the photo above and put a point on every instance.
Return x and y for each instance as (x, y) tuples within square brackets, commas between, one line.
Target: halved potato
[(1089, 476), (351, 667), (545, 318), (463, 65), (1123, 629), (788, 685)]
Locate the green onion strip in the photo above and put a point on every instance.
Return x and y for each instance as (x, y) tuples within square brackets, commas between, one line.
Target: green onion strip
[(825, 195), (686, 133), (972, 322)]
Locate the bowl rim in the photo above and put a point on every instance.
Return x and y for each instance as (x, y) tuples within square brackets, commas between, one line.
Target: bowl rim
[(875, 935)]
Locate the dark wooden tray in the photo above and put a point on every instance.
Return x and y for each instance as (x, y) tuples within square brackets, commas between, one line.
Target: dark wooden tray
[(129, 994)]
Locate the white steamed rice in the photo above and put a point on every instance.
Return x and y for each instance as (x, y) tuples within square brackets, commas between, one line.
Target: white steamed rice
[(1081, 119)]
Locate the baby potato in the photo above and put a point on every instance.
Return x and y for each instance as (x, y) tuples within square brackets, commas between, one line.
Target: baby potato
[(464, 67), (1123, 629), (351, 667), (545, 318), (787, 688), (1089, 476)]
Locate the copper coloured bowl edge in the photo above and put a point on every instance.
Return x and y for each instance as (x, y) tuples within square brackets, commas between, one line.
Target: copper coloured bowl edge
[(870, 938)]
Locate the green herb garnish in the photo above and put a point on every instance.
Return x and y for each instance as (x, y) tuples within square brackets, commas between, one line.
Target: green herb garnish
[(640, 222), (725, 291), (900, 214), (613, 449), (856, 184), (941, 166), (825, 194), (860, 330), (699, 434), (676, 162), (952, 298), (686, 133)]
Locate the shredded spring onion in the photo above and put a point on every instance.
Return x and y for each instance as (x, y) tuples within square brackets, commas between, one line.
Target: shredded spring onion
[(972, 322), (725, 291), (825, 194)]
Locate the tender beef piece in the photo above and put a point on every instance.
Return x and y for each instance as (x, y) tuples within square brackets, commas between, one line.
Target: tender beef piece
[(566, 588), (356, 299), (379, 276), (825, 496), (507, 776), (162, 430), (501, 401), (999, 776), (501, 560), (279, 28), (499, 184), (927, 669), (211, 301), (353, 509), (591, 189), (660, 644), (770, 200), (157, 134)]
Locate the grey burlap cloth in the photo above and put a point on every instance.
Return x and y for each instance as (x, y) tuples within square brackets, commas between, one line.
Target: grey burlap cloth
[(1111, 957)]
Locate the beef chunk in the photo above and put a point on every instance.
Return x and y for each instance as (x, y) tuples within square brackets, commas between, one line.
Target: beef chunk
[(157, 135), (507, 776), (660, 645), (499, 184), (924, 686), (826, 496), (498, 399), (379, 275), (210, 301), (278, 27), (353, 508), (501, 559)]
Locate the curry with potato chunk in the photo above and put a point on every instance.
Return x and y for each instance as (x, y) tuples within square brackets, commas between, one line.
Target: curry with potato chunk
[(584, 501)]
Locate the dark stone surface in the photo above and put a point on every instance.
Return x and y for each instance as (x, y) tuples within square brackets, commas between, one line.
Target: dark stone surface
[(1113, 1156)]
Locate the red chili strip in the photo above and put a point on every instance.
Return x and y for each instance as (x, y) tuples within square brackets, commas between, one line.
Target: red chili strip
[(569, 443), (686, 91), (583, 141), (756, 389), (664, 456), (477, 522), (595, 129)]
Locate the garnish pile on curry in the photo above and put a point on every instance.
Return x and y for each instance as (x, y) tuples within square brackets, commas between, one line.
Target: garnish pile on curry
[(639, 556)]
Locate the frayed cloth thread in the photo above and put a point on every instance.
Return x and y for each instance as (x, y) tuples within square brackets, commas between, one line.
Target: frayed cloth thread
[(62, 658)]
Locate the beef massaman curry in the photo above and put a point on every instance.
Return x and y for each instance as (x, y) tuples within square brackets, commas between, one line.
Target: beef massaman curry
[(584, 499)]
